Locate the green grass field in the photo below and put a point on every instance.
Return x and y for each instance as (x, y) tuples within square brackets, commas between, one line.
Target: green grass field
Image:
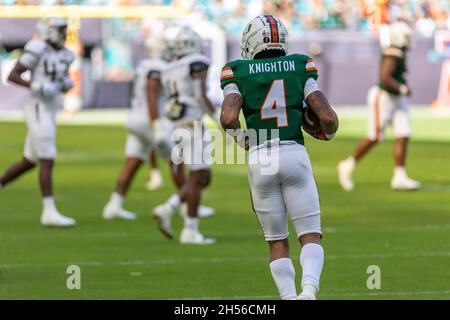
[(406, 234)]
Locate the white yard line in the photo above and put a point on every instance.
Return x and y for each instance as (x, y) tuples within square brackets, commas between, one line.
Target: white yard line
[(337, 294), (111, 235), (218, 260)]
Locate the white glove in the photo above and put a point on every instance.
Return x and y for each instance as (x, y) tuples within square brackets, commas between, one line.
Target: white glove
[(162, 139), (47, 89), (242, 139), (67, 84)]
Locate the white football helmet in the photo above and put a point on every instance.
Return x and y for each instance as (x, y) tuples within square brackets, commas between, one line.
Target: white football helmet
[(182, 40), (53, 30), (400, 34), (264, 33), (156, 46)]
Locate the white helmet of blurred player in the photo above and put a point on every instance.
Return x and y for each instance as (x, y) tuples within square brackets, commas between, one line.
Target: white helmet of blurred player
[(183, 40), (156, 46), (53, 30), (400, 34), (264, 33)]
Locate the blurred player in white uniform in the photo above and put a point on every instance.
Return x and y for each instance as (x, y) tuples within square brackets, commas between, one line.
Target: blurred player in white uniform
[(146, 98), (388, 104), (145, 116), (155, 180), (184, 82), (48, 61)]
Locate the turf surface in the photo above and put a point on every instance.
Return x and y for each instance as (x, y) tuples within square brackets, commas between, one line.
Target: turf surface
[(406, 234)]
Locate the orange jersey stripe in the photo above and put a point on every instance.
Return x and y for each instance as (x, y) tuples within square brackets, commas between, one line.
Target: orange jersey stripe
[(227, 76)]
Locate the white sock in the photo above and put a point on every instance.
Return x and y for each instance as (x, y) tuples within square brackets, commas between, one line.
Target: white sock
[(117, 199), (311, 260), (155, 172), (174, 201), (400, 171), (283, 274), (351, 161), (49, 203), (191, 223)]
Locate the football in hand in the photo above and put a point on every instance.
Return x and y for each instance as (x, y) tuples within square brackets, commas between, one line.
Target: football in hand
[(311, 122)]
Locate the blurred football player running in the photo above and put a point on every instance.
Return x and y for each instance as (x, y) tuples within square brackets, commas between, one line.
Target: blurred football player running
[(270, 87), (155, 180), (388, 103), (146, 103), (147, 110), (48, 61), (184, 82)]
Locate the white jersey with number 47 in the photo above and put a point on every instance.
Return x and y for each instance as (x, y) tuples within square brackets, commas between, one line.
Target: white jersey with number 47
[(46, 65)]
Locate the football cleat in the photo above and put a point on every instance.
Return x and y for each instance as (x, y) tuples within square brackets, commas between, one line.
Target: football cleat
[(203, 211), (306, 296), (308, 293), (112, 212), (52, 218), (345, 173), (163, 217), (401, 182), (190, 236)]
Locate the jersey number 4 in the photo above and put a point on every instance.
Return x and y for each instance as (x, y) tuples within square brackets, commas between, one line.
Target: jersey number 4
[(274, 105)]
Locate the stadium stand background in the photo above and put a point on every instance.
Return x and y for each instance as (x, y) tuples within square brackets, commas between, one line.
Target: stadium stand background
[(340, 32)]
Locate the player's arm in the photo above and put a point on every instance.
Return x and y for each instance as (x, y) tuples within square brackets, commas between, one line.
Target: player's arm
[(231, 107), (199, 74), (229, 116), (388, 67), (16, 73), (319, 104), (66, 82), (153, 92)]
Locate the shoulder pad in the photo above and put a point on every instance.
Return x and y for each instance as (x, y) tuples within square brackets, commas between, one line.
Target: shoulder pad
[(152, 65), (300, 57), (35, 47), (393, 52), (196, 57)]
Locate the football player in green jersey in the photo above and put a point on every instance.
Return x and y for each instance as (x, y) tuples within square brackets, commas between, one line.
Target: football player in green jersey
[(387, 104), (270, 88)]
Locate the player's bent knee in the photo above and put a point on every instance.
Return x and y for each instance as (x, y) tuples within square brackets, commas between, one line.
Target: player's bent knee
[(308, 225), (206, 179), (279, 248), (313, 237), (28, 163)]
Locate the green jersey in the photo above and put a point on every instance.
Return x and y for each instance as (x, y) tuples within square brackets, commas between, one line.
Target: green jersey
[(400, 70), (273, 93)]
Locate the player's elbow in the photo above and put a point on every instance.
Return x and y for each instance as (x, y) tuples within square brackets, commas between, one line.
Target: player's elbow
[(329, 121), (386, 79), (12, 77), (227, 120)]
